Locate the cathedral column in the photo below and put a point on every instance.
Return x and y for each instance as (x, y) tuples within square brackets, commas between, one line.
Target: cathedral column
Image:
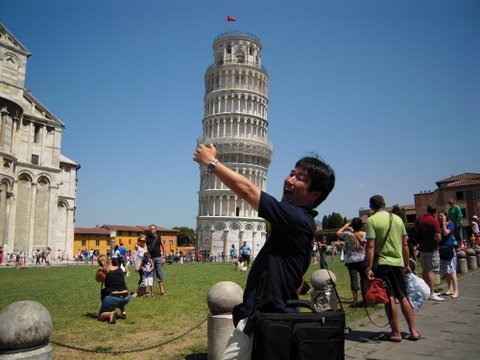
[(41, 160), (8, 244), (70, 233), (211, 241), (3, 124), (240, 239), (52, 220), (33, 204), (225, 244)]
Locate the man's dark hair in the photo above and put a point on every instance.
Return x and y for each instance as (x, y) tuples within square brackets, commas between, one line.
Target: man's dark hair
[(377, 202), (322, 176), (431, 209)]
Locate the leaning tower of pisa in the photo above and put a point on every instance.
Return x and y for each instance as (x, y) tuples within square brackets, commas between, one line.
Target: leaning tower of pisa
[(235, 121)]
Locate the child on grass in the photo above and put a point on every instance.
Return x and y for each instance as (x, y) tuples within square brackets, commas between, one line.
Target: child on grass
[(147, 269)]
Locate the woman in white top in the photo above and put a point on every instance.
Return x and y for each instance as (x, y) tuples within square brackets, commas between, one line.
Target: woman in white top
[(355, 242), (139, 249)]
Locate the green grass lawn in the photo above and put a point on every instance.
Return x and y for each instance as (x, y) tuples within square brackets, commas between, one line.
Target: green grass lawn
[(72, 296)]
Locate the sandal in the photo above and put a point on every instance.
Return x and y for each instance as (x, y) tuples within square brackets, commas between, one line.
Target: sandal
[(388, 337), (124, 315), (412, 337)]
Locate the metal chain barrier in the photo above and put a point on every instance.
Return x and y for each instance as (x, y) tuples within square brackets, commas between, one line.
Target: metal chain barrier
[(118, 352)]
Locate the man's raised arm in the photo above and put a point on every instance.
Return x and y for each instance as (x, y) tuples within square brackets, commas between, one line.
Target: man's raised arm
[(240, 185)]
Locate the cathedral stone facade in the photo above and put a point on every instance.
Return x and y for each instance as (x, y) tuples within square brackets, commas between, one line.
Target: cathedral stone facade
[(38, 184), (235, 121)]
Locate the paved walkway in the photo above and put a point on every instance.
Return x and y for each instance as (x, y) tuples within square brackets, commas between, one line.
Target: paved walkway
[(450, 329)]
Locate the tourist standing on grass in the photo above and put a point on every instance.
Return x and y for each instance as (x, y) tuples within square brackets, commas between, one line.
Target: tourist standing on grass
[(286, 255), (1, 255), (116, 256), (123, 257), (386, 232), (427, 233), (156, 249), (115, 292), (147, 273), (48, 257), (245, 253), (355, 242), (448, 267), (322, 249), (233, 254), (139, 249)]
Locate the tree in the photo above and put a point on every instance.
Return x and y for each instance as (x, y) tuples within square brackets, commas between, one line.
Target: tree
[(333, 221), (325, 222), (186, 236), (400, 212)]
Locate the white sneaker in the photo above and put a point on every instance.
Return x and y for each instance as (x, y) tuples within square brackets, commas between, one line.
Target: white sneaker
[(435, 297)]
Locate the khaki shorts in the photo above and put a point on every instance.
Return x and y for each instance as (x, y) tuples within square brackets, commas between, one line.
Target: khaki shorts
[(430, 261)]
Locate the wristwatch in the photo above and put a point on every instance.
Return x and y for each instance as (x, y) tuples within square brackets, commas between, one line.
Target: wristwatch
[(211, 165)]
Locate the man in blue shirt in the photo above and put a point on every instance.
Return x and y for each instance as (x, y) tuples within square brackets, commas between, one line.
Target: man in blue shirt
[(245, 252), (286, 255)]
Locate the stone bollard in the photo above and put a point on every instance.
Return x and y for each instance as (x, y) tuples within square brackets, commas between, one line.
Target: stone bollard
[(462, 267), (471, 259), (25, 328), (323, 293), (221, 299)]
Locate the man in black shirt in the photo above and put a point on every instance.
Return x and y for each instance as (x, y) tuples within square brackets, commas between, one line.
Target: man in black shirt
[(286, 255), (156, 249)]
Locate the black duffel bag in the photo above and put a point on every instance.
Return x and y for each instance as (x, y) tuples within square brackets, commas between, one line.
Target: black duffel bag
[(299, 336)]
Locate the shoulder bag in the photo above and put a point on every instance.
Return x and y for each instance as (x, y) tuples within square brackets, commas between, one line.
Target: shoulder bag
[(374, 289), (298, 336)]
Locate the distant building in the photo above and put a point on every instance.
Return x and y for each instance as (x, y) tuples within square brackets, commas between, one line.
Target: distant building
[(464, 188), (105, 237), (95, 238), (38, 184), (235, 121)]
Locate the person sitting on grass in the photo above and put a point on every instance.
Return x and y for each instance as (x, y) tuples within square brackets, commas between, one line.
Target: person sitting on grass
[(115, 293)]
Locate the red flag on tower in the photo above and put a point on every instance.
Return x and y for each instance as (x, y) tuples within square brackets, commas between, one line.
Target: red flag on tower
[(231, 18)]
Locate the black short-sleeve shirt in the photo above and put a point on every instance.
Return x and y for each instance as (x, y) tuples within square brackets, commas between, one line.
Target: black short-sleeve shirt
[(285, 257)]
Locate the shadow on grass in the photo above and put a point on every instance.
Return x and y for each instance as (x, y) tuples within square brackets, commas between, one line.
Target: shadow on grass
[(91, 315), (202, 356)]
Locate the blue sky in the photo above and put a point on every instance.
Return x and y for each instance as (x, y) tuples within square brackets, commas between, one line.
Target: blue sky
[(387, 92)]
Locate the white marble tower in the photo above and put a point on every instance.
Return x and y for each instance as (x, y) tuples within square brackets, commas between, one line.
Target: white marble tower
[(235, 121)]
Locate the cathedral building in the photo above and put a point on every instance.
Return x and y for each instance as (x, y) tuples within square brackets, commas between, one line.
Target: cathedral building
[(235, 121), (38, 184)]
